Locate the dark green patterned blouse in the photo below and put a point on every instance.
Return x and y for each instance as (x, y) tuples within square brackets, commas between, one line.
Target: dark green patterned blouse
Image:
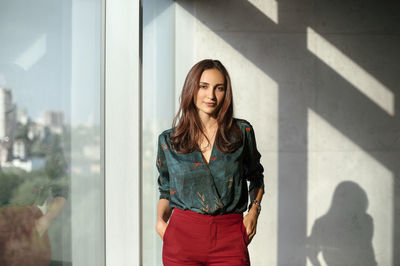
[(219, 188)]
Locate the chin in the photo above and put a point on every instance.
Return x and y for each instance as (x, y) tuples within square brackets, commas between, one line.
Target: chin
[(208, 112)]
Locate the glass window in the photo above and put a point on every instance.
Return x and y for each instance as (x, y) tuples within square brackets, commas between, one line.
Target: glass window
[(158, 110), (51, 185)]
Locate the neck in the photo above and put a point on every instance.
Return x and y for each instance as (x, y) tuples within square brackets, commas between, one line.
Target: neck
[(209, 122)]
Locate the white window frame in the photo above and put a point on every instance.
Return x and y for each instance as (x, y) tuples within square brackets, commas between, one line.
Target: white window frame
[(121, 114)]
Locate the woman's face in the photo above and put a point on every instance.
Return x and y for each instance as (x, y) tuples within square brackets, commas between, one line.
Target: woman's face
[(211, 92)]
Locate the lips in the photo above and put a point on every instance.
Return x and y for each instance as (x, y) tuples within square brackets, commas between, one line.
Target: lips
[(210, 104)]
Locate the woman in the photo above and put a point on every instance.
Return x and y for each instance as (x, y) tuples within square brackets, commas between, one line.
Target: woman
[(204, 161)]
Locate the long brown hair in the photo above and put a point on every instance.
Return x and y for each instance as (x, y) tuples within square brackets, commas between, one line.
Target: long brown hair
[(187, 127)]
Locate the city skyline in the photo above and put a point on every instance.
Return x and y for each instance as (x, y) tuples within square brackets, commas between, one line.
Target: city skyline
[(39, 114)]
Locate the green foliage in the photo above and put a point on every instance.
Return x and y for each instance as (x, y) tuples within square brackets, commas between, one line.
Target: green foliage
[(55, 161), (18, 187), (38, 149), (30, 191), (29, 188), (8, 184)]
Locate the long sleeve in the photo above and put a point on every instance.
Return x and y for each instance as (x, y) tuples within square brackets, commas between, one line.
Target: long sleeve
[(163, 177), (254, 171)]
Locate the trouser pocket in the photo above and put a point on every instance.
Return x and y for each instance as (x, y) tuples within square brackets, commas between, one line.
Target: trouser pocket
[(166, 232), (245, 236)]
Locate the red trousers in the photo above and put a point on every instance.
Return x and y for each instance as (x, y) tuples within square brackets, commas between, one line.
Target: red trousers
[(197, 239)]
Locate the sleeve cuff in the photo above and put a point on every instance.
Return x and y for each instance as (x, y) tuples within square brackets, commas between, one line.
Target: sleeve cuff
[(165, 195), (258, 185)]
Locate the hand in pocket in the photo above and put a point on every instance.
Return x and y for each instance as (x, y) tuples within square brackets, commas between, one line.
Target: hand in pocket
[(161, 228)]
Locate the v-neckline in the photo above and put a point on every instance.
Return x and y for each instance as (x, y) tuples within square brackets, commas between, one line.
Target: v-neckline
[(211, 155)]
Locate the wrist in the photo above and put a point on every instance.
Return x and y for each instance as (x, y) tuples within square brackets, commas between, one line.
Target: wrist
[(255, 206), (254, 211)]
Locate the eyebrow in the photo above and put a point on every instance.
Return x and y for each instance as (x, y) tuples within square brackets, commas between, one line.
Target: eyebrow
[(209, 83)]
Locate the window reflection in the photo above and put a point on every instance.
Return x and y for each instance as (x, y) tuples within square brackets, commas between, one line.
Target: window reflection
[(51, 188), (34, 182)]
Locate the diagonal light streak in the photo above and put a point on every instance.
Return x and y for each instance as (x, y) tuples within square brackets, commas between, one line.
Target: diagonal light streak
[(268, 8), (366, 83), (33, 53)]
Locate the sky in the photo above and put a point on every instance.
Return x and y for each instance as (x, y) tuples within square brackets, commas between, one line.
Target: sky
[(50, 57)]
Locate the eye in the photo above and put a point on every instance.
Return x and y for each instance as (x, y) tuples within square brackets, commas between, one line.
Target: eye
[(203, 86), (221, 88)]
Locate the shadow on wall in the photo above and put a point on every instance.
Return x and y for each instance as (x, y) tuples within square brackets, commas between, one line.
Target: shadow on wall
[(344, 233), (365, 39)]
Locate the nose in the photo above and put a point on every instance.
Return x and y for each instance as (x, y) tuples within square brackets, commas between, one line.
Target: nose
[(211, 93)]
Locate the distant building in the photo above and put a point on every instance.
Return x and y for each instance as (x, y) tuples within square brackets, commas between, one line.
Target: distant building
[(7, 124), (20, 149), (37, 131), (54, 121), (22, 116), (27, 165)]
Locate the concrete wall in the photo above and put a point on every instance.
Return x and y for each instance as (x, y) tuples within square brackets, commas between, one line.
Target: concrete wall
[(319, 82)]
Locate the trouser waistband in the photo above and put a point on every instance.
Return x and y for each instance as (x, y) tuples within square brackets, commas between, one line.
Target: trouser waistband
[(191, 216)]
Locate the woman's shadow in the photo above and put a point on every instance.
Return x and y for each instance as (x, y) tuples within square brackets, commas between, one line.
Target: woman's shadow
[(344, 233)]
